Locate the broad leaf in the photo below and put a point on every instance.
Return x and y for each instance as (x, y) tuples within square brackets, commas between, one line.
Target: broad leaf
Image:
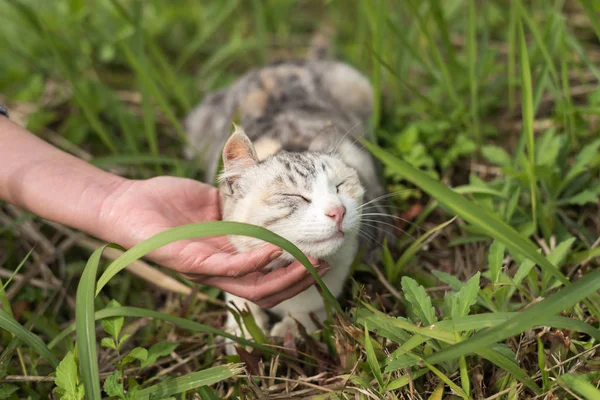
[(419, 299), (158, 350), (113, 387), (137, 353), (190, 381), (583, 198), (372, 358), (7, 390), (113, 326), (108, 343), (585, 156), (66, 378), (496, 155), (466, 297), (495, 260)]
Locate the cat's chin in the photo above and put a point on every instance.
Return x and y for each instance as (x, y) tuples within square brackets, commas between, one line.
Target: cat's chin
[(323, 248)]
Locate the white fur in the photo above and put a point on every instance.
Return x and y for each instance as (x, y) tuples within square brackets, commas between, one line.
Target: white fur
[(309, 228)]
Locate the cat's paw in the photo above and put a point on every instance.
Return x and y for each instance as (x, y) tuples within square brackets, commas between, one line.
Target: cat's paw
[(281, 328)]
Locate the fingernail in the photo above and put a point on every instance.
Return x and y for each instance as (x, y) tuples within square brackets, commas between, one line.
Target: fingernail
[(275, 255)]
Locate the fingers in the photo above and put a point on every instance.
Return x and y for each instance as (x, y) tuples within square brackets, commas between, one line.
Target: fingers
[(268, 288), (231, 265), (288, 293)]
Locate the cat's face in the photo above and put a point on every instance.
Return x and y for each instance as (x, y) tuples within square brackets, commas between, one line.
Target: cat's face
[(311, 199)]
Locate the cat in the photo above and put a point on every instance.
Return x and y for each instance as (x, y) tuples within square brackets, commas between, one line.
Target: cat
[(295, 167)]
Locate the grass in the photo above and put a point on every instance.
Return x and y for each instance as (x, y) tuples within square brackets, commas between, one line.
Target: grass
[(486, 124)]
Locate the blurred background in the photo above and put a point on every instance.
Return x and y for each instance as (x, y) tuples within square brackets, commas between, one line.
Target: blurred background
[(110, 81)]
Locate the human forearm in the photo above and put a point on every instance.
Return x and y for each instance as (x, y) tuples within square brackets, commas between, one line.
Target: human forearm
[(53, 184)]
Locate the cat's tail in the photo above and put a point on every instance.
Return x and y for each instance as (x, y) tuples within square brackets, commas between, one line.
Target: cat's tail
[(320, 44)]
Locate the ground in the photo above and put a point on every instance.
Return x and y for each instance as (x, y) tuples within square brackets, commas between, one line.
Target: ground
[(497, 100)]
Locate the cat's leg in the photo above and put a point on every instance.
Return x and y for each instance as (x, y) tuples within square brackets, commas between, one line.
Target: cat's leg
[(304, 318), (231, 326), (300, 307)]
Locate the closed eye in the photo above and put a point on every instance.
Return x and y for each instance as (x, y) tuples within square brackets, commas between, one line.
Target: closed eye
[(306, 199), (337, 188)]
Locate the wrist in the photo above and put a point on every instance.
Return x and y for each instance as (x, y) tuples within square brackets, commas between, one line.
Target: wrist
[(98, 206)]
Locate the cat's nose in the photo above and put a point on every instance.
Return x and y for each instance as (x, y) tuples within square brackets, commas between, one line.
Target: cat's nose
[(336, 213)]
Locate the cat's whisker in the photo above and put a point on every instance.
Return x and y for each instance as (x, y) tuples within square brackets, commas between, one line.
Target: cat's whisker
[(367, 236), (382, 197), (373, 238), (385, 223), (344, 137), (394, 217), (354, 142), (373, 206)]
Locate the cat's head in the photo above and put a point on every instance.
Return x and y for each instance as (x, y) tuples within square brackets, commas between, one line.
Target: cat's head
[(311, 199)]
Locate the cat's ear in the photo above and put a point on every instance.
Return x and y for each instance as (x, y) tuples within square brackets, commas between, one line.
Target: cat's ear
[(238, 154)]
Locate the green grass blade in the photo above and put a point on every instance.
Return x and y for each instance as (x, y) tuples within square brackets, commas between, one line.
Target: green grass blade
[(15, 272), (574, 44), (151, 87), (470, 212), (445, 36), (402, 38), (406, 379), (592, 14), (372, 359), (539, 41), (85, 326), (140, 159), (465, 382), (260, 27), (167, 74), (448, 81), (206, 229), (73, 76), (394, 324), (473, 81), (379, 321), (183, 323), (413, 89), (511, 57), (208, 30), (510, 366), (414, 247), (190, 381), (527, 111), (442, 376), (580, 386), (533, 316), (377, 45), (584, 255), (542, 364), (11, 325)]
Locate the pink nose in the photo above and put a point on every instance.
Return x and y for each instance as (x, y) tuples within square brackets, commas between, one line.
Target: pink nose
[(336, 213)]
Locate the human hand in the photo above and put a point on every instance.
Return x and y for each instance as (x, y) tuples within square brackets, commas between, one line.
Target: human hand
[(141, 209)]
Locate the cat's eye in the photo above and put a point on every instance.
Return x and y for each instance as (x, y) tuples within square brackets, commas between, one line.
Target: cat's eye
[(337, 188), (306, 199)]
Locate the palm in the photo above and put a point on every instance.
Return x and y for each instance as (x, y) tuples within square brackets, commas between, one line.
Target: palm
[(148, 207), (162, 203)]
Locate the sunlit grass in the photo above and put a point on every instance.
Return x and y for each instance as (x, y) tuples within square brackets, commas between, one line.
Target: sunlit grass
[(486, 110)]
